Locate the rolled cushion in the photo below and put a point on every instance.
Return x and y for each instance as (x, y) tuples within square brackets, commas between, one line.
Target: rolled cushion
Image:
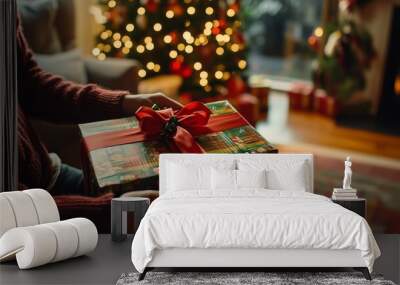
[(45, 205), (26, 208), (67, 240), (23, 209), (41, 244), (7, 220), (87, 235), (32, 246)]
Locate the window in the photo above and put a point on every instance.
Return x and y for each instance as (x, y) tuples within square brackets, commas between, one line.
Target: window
[(277, 33)]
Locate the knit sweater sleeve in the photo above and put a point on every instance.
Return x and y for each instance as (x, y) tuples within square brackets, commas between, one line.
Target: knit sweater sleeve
[(53, 98)]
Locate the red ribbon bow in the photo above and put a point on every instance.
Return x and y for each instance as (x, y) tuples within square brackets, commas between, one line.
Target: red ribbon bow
[(178, 127)]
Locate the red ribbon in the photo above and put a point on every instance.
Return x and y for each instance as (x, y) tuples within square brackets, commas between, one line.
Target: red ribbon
[(178, 127)]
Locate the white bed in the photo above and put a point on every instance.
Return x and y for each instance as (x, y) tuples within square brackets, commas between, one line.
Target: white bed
[(249, 227)]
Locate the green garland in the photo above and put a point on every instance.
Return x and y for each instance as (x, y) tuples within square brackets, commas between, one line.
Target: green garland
[(345, 52)]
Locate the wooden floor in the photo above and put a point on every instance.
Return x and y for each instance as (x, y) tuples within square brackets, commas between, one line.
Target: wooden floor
[(294, 127)]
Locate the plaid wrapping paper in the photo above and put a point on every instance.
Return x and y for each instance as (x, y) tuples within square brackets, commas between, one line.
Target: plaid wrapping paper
[(134, 166)]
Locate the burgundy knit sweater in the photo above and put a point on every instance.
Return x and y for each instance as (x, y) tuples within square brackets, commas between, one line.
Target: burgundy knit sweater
[(52, 98)]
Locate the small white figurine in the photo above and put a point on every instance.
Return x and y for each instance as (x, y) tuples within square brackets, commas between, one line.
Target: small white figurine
[(347, 174)]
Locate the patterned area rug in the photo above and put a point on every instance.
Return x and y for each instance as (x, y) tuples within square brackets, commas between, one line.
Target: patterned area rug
[(242, 278)]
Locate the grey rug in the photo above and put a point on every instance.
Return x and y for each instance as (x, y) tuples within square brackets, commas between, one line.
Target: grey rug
[(233, 278)]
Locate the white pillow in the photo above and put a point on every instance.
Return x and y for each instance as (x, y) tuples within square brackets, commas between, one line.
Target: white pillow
[(182, 177), (223, 179), (236, 179), (292, 175), (193, 175), (293, 180), (251, 178)]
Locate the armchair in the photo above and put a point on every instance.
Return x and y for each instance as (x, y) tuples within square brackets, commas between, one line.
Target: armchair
[(31, 231)]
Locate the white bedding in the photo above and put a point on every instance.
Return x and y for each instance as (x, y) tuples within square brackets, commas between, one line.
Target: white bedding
[(252, 218)]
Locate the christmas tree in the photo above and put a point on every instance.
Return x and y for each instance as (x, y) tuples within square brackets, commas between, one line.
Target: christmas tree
[(200, 40)]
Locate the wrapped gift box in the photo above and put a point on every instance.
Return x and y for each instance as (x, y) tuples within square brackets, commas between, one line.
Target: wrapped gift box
[(132, 166), (324, 104), (262, 94), (301, 96)]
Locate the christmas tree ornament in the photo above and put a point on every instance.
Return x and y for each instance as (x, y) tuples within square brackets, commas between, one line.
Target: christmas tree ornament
[(175, 66), (186, 72), (314, 43), (176, 8), (152, 5), (236, 85), (117, 16)]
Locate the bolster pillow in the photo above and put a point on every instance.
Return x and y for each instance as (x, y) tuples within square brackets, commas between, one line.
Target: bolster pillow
[(31, 231), (40, 244), (26, 208)]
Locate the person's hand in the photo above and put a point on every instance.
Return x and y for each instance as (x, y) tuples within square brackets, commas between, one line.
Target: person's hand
[(131, 103)]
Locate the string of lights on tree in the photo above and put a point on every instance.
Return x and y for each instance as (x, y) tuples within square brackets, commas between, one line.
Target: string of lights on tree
[(200, 40)]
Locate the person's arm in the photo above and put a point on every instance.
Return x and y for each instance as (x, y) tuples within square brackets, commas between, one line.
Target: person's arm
[(131, 103), (55, 99)]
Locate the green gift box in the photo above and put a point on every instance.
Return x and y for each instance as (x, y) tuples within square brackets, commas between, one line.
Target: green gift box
[(134, 166)]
